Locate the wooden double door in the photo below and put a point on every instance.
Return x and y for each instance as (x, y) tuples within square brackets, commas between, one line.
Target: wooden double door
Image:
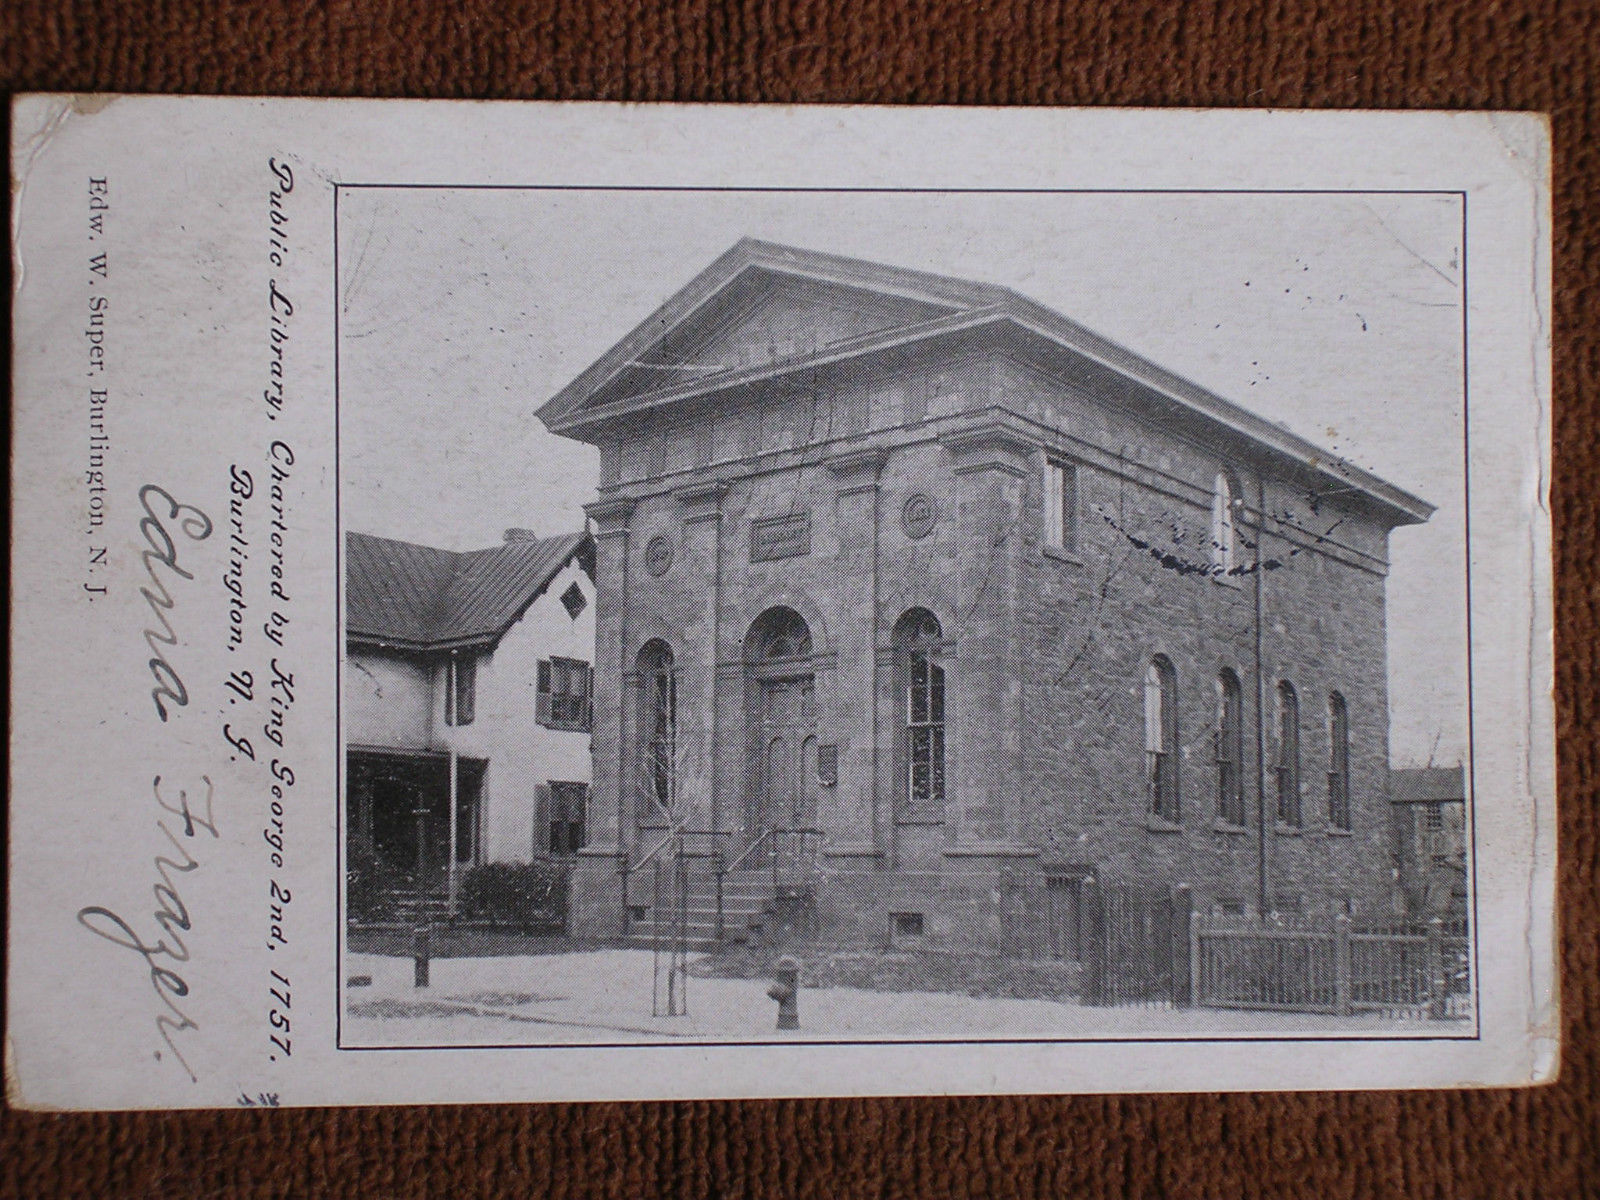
[(783, 750)]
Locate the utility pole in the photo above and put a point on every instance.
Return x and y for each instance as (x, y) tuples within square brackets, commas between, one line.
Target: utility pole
[(1261, 700)]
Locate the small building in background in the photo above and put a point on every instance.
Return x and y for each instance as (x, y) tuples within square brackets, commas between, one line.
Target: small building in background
[(1430, 833), (466, 707)]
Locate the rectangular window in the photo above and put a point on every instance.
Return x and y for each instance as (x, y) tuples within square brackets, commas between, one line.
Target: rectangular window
[(460, 695), (1161, 740), (568, 802), (566, 694), (925, 730), (1288, 765), (1061, 505), (1338, 762), (1230, 750)]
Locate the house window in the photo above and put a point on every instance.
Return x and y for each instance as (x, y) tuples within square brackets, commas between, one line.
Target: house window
[(1161, 738), (568, 802), (1061, 505), (460, 695), (1288, 766), (1432, 818), (918, 638), (574, 601), (1338, 762), (1230, 749), (1225, 499), (566, 699), (658, 723)]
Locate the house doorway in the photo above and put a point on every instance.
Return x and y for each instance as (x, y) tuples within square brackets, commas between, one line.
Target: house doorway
[(399, 814)]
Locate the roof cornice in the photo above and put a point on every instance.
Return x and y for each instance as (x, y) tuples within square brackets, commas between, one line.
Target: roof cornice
[(984, 311)]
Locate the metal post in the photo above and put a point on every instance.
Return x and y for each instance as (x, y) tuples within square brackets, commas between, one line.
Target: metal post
[(1094, 943), (455, 802), (420, 812), (421, 953), (1438, 986), (1261, 702), (1341, 965), (1180, 969), (718, 866), (622, 880), (1195, 994)]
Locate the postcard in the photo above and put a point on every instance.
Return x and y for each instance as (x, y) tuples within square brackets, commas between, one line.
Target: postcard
[(522, 602)]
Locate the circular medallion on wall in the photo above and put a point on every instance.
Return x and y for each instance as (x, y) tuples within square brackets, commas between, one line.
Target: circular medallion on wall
[(658, 556), (916, 518)]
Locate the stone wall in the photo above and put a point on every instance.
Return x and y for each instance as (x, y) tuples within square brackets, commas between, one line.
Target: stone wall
[(1045, 650)]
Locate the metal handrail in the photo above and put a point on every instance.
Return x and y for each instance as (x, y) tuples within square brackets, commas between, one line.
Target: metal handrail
[(773, 834), (749, 850), (654, 850)]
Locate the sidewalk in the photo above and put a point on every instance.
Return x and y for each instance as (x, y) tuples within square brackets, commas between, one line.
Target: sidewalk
[(605, 996)]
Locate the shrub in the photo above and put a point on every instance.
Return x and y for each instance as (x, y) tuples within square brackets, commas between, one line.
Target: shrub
[(368, 884), (529, 896)]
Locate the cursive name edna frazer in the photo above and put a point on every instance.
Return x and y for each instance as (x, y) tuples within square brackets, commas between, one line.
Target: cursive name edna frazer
[(161, 550), (166, 950)]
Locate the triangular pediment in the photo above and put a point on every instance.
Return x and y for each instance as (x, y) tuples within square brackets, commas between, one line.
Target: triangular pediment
[(763, 312), (757, 305), (766, 317)]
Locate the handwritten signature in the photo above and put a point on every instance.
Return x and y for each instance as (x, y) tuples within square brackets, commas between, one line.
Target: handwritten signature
[(162, 551), (171, 915)]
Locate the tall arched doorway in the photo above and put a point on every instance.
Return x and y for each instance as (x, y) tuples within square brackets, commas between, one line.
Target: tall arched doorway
[(782, 720)]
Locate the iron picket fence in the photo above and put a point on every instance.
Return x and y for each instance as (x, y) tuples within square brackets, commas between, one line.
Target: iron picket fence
[(1336, 967)]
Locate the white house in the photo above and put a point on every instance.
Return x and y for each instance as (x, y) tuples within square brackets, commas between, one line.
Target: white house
[(467, 703)]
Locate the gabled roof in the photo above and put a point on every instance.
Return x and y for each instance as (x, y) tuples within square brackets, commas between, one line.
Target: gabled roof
[(410, 597), (1427, 785), (656, 364)]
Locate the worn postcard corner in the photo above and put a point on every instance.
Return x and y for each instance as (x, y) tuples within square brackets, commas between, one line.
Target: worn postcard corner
[(508, 607)]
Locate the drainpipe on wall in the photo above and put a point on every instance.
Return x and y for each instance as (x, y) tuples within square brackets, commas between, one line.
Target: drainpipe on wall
[(1261, 702)]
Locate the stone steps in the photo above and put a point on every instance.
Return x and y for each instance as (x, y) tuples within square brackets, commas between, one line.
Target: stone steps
[(747, 899)]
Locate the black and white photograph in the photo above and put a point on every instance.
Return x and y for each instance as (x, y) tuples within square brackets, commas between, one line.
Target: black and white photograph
[(903, 615)]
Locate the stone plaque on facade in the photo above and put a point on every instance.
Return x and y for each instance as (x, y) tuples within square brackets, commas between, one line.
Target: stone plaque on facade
[(658, 555), (827, 765), (917, 517), (780, 537)]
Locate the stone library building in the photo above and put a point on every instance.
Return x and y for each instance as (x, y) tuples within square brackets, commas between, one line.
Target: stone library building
[(958, 608)]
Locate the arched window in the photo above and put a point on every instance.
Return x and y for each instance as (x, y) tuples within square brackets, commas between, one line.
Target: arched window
[(1225, 497), (1288, 768), (918, 640), (658, 725), (1230, 748), (1338, 762), (1161, 738), (779, 633)]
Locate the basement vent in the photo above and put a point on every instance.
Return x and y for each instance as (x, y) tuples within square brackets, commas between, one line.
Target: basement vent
[(906, 924)]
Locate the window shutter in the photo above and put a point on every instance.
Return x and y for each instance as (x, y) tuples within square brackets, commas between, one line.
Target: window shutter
[(542, 710), (467, 687), (541, 820), (588, 716)]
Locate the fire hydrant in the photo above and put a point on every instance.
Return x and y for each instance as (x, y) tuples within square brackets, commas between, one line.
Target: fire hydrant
[(785, 990)]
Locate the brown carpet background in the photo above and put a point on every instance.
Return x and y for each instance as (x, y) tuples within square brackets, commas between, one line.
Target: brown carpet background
[(1402, 54)]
